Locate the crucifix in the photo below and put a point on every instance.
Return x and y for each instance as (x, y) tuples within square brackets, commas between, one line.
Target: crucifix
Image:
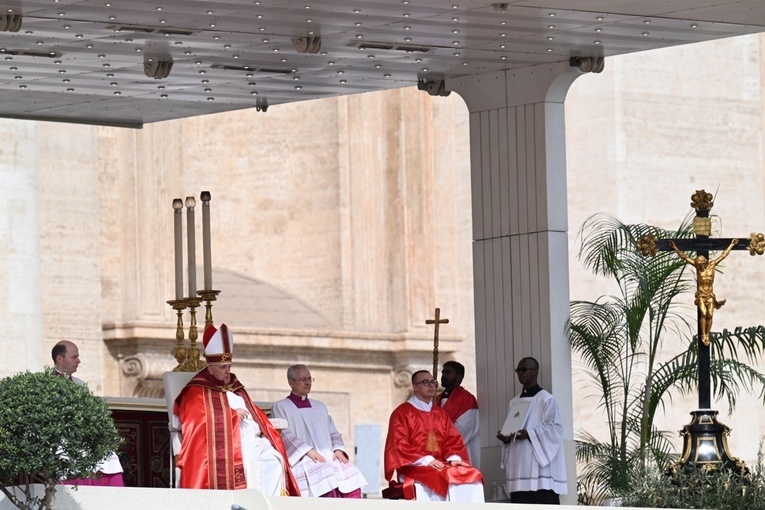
[(704, 438), (436, 321), (706, 302)]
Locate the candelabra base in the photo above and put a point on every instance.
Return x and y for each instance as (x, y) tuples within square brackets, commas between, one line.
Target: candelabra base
[(705, 447)]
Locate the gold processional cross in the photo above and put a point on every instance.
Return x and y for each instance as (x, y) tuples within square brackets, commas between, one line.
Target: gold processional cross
[(705, 444), (706, 302), (436, 321)]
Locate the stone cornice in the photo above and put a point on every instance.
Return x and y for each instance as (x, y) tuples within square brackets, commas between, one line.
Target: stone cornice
[(143, 351)]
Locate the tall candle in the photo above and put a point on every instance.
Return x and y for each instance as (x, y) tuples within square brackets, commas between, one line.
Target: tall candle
[(178, 235), (206, 243), (190, 237)]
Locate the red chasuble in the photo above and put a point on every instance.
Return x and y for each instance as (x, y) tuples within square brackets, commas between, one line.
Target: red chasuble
[(459, 402), (211, 450), (413, 434)]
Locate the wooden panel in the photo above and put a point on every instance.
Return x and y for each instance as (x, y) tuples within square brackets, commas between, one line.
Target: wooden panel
[(543, 306), (491, 272), (508, 312), (533, 139), (504, 177), (485, 142), (512, 171), (483, 374), (476, 176), (534, 297), (145, 453), (521, 195), (496, 190), (523, 262), (543, 200), (507, 375), (516, 274), (499, 305)]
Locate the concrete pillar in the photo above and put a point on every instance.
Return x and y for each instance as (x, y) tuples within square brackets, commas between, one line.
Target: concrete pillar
[(20, 298), (520, 248)]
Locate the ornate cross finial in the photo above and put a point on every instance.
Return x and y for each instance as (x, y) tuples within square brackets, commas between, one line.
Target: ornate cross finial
[(436, 321), (702, 200)]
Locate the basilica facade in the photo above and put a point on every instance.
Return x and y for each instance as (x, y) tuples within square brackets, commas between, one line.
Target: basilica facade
[(339, 225)]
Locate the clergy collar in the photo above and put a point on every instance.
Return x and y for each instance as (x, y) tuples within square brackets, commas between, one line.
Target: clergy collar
[(446, 392), (531, 391), (59, 373), (299, 401)]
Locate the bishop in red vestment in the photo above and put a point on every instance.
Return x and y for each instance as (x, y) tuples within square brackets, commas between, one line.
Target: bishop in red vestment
[(211, 455), (427, 451)]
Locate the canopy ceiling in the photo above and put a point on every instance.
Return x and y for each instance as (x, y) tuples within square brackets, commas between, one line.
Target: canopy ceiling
[(87, 60)]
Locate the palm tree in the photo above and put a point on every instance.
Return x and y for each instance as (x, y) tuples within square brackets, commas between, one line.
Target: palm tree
[(618, 339)]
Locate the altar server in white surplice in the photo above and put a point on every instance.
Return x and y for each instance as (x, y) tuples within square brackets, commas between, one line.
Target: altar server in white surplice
[(533, 455), (315, 448)]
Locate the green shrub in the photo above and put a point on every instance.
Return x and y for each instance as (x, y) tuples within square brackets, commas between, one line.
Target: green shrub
[(50, 430), (713, 490)]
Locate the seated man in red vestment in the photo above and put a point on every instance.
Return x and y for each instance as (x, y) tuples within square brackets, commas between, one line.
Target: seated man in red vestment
[(228, 442), (427, 451)]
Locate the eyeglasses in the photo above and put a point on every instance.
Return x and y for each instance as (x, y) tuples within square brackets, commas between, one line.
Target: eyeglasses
[(523, 370), (428, 382), (304, 380)]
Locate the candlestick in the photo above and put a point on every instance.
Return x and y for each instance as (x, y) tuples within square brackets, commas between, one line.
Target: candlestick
[(208, 296), (180, 352), (178, 234), (193, 363), (191, 239), (206, 242)]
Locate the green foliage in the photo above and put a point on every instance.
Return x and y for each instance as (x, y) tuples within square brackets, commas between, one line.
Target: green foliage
[(50, 429), (619, 337), (715, 490)]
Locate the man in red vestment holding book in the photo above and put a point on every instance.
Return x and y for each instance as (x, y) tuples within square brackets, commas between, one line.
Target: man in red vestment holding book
[(427, 451), (228, 442), (462, 408)]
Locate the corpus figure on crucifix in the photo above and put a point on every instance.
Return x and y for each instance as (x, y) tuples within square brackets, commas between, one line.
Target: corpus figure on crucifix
[(705, 279)]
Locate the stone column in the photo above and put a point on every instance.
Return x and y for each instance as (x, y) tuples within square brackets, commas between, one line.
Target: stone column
[(20, 299), (520, 249)]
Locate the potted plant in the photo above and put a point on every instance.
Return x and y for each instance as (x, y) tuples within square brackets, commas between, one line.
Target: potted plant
[(50, 430)]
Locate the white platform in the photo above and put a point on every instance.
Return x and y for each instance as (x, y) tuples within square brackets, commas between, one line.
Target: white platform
[(129, 498)]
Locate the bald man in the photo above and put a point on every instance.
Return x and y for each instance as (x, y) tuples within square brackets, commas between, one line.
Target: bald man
[(66, 359)]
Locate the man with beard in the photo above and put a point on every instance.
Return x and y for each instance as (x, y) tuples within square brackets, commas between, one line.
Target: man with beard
[(462, 408)]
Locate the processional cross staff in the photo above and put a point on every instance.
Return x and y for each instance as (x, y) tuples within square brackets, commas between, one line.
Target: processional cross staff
[(438, 320), (706, 302)]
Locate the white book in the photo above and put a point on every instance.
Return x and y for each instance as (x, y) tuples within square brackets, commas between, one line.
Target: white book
[(516, 416)]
